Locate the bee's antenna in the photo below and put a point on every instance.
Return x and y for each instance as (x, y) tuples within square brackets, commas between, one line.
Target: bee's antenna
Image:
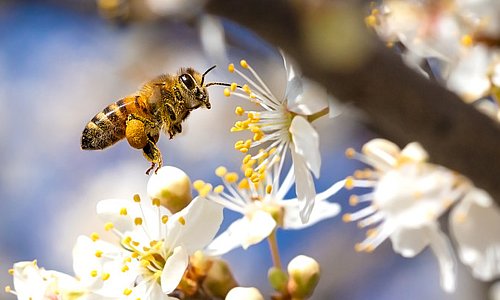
[(203, 76), (219, 83)]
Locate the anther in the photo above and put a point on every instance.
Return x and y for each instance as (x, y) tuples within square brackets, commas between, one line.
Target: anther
[(239, 111), (248, 172), (220, 171), (98, 253), (127, 291), (347, 218), (125, 268), (137, 198), (198, 184), (93, 273), (350, 152), (269, 189), (108, 226), (164, 219), (123, 211), (231, 177), (353, 200), (138, 221), (230, 68), (349, 183), (105, 276), (227, 92), (11, 271), (182, 220), (219, 189), (234, 86), (156, 202), (244, 64), (94, 236)]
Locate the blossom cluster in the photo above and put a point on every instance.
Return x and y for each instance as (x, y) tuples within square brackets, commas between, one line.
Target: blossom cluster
[(454, 42), (166, 245)]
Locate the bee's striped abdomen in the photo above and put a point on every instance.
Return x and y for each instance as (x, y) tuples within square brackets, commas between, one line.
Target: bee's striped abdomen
[(108, 126)]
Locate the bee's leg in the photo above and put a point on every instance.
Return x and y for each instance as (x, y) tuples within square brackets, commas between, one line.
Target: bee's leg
[(146, 121), (152, 154)]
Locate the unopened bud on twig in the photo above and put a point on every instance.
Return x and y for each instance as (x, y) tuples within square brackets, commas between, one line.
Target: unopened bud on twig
[(304, 275), (172, 187)]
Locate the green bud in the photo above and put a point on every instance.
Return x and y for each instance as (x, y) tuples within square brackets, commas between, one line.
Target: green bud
[(304, 275), (278, 279)]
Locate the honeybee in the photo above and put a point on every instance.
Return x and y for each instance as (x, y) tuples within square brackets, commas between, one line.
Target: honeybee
[(162, 104)]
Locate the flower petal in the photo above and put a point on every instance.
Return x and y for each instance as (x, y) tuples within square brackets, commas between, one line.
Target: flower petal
[(228, 240), (441, 247), (258, 227), (477, 213), (322, 210), (383, 153), (174, 269), (304, 187), (201, 221), (306, 143), (409, 241), (415, 152), (306, 98)]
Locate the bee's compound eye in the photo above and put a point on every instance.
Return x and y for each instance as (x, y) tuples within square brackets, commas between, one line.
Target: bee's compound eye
[(188, 81)]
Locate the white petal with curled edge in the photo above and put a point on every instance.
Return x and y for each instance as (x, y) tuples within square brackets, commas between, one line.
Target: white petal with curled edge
[(477, 213), (415, 152), (202, 221), (258, 227), (306, 144), (28, 281), (441, 247), (312, 98), (304, 187), (174, 269), (409, 241), (322, 210), (228, 240), (383, 153)]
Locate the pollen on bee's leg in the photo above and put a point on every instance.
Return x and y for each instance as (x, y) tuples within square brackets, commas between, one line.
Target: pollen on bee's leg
[(135, 132)]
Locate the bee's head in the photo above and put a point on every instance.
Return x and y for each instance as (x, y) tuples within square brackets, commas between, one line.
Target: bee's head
[(195, 93)]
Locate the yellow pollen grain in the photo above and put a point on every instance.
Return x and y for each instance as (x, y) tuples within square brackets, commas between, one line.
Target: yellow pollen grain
[(243, 150), (182, 221), (371, 21), (105, 276), (219, 189), (248, 172), (11, 271), (137, 198), (244, 185), (125, 268), (94, 236), (98, 253), (127, 240), (247, 89), (220, 171), (227, 92), (123, 211), (156, 202), (349, 183), (239, 111), (244, 64), (269, 189), (230, 68), (369, 248), (247, 158), (358, 247), (138, 221), (207, 188), (353, 200), (164, 219), (198, 184), (234, 86), (127, 291), (231, 177), (350, 152), (467, 40), (109, 226), (93, 273), (347, 218), (371, 233)]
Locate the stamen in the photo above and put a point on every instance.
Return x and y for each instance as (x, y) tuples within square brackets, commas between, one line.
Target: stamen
[(123, 211), (156, 202), (231, 177), (109, 226), (138, 221), (105, 276), (93, 273), (219, 189), (221, 171), (244, 64), (227, 92), (125, 268), (350, 152), (127, 291), (230, 68), (98, 253), (182, 220), (11, 271), (94, 236), (234, 86), (137, 198), (198, 184)]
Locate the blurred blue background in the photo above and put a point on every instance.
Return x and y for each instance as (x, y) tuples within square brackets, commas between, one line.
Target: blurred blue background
[(60, 64)]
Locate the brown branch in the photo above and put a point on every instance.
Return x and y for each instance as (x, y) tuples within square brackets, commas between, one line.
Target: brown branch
[(402, 104)]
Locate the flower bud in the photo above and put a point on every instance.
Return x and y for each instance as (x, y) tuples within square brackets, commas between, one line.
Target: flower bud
[(304, 275), (172, 186), (219, 280), (244, 293), (278, 279)]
